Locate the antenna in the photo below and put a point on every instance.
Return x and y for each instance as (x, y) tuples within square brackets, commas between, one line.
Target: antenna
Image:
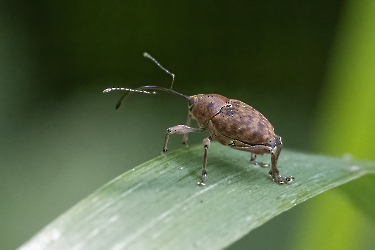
[(143, 89), (126, 89), (153, 59)]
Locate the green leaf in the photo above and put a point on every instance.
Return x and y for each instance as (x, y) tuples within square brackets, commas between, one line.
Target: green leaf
[(159, 205)]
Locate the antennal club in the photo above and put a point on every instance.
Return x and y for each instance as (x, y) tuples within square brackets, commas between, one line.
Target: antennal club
[(153, 59)]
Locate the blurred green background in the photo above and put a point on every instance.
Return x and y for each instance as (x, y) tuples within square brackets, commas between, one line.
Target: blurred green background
[(306, 65)]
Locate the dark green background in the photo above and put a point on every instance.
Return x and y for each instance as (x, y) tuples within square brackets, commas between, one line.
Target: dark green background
[(59, 132)]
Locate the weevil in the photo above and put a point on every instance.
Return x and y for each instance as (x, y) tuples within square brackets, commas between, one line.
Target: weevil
[(231, 122)]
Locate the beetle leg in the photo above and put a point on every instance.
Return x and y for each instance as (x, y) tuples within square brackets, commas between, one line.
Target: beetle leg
[(254, 150), (185, 138), (262, 149), (253, 161), (257, 163), (179, 129), (253, 156), (274, 172), (206, 144)]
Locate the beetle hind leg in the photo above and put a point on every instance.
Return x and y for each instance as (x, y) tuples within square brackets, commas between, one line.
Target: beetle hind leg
[(254, 150), (274, 172), (274, 148)]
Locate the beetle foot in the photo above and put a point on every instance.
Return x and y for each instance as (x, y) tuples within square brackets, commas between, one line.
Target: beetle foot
[(202, 182), (185, 140), (281, 179)]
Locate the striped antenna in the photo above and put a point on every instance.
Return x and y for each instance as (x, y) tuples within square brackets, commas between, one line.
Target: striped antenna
[(144, 90), (153, 59), (130, 90)]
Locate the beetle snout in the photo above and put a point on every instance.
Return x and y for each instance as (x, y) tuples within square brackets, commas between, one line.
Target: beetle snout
[(191, 102)]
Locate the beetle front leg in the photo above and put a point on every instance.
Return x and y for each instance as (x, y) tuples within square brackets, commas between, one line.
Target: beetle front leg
[(274, 172), (206, 144), (179, 129)]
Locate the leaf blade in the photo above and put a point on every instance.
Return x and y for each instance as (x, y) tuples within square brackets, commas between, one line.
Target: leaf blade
[(159, 205)]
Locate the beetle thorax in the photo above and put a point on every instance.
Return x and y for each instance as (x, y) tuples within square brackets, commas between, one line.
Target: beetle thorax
[(204, 106)]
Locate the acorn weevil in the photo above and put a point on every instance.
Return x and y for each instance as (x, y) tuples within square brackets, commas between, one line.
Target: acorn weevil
[(230, 122)]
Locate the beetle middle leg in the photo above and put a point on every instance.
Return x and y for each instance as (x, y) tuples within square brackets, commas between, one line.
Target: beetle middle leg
[(179, 129), (254, 150), (257, 163), (253, 156), (206, 144)]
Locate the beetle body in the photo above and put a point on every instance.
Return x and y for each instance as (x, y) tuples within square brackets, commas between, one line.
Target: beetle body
[(231, 122)]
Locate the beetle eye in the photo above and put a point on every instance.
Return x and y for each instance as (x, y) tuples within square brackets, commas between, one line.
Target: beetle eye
[(191, 101)]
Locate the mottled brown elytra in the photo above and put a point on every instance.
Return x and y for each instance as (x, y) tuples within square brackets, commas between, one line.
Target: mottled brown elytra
[(230, 122)]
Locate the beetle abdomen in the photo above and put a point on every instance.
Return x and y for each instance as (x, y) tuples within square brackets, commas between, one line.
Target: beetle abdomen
[(205, 106), (239, 121)]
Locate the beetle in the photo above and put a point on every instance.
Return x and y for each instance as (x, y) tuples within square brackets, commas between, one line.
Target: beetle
[(231, 122)]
